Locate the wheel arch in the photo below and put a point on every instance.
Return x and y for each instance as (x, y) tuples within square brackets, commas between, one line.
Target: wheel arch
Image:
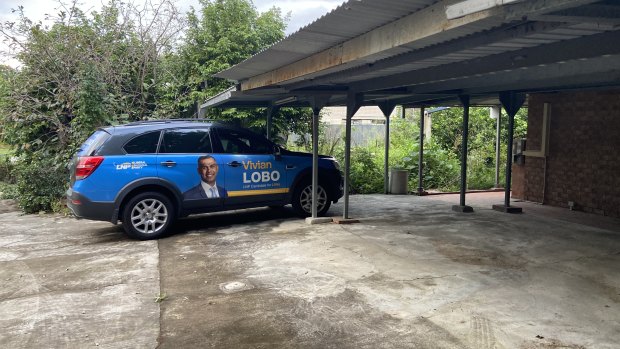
[(306, 174), (144, 185)]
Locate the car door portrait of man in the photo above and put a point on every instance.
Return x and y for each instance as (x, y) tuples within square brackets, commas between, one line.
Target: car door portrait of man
[(207, 187)]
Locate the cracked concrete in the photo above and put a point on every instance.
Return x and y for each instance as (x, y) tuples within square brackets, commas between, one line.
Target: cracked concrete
[(412, 274), (75, 284)]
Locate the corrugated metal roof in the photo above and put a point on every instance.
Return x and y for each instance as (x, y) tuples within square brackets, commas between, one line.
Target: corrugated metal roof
[(349, 20), (332, 53)]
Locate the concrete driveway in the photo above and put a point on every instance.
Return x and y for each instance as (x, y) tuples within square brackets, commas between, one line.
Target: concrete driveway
[(411, 274)]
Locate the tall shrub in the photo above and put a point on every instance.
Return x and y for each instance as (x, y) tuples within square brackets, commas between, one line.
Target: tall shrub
[(82, 72)]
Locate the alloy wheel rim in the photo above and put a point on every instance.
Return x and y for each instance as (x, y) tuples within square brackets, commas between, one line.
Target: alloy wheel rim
[(306, 199), (149, 216)]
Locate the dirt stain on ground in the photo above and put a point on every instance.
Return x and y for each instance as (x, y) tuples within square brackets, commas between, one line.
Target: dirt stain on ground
[(550, 343), (476, 256)]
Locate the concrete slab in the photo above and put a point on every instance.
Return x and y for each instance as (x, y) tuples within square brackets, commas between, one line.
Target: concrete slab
[(462, 208), (75, 284), (340, 220), (318, 220), (507, 209), (411, 274)]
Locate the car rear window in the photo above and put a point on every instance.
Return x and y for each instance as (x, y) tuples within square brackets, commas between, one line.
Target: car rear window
[(93, 143), (235, 142), (182, 141), (143, 144)]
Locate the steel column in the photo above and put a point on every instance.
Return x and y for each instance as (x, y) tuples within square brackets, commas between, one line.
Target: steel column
[(317, 103), (512, 102), (464, 148), (386, 178), (354, 102), (498, 145), (315, 159), (421, 155), (271, 110), (387, 108)]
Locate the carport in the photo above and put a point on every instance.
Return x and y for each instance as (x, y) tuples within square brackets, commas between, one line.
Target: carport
[(431, 53)]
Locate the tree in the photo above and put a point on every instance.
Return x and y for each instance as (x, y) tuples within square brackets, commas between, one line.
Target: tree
[(447, 131), (82, 72), (447, 128), (220, 34)]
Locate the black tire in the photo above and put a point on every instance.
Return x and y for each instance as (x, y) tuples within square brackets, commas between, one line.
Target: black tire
[(302, 199), (147, 216)]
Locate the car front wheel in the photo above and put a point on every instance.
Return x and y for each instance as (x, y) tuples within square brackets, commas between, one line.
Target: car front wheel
[(147, 216), (302, 200)]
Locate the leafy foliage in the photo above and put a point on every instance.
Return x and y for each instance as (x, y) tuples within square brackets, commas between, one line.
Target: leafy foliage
[(123, 63), (442, 153), (127, 63), (39, 182)]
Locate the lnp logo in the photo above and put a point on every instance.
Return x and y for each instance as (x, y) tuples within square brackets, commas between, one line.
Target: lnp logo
[(134, 165)]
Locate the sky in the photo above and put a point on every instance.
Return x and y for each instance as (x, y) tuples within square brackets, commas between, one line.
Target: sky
[(302, 12)]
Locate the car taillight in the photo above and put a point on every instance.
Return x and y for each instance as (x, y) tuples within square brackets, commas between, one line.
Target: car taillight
[(86, 166)]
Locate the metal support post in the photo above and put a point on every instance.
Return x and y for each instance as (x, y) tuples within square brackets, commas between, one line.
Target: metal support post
[(271, 110), (386, 179), (354, 102), (315, 159), (421, 156), (464, 148), (387, 108), (317, 103), (498, 145), (512, 102)]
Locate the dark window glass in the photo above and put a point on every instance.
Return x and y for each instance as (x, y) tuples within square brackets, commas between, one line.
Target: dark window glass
[(186, 141), (93, 143), (143, 144), (234, 142)]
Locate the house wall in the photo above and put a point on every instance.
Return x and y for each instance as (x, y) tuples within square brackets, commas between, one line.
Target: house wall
[(583, 165)]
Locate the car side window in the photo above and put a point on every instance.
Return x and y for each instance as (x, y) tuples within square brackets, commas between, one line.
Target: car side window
[(186, 141), (143, 144), (235, 142)]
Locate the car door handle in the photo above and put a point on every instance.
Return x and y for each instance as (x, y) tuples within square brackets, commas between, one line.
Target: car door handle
[(290, 167), (169, 163), (234, 164)]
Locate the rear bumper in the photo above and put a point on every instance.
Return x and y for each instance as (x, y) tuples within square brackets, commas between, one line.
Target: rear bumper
[(82, 207)]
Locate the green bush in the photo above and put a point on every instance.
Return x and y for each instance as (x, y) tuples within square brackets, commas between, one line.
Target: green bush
[(366, 172), (8, 191), (6, 170), (41, 182), (441, 168), (481, 169)]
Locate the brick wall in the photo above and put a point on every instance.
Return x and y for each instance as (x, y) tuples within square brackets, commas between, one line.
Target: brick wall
[(583, 165)]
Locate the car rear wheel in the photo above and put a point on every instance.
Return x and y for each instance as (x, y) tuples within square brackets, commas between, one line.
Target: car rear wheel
[(302, 200), (147, 216)]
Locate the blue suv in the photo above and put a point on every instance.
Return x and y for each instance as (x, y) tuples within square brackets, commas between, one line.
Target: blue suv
[(147, 174)]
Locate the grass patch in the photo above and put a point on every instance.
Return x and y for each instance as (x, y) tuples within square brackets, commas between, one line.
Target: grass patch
[(5, 150), (8, 191)]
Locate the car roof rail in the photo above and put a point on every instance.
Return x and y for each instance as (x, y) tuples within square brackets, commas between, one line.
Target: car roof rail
[(164, 121)]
